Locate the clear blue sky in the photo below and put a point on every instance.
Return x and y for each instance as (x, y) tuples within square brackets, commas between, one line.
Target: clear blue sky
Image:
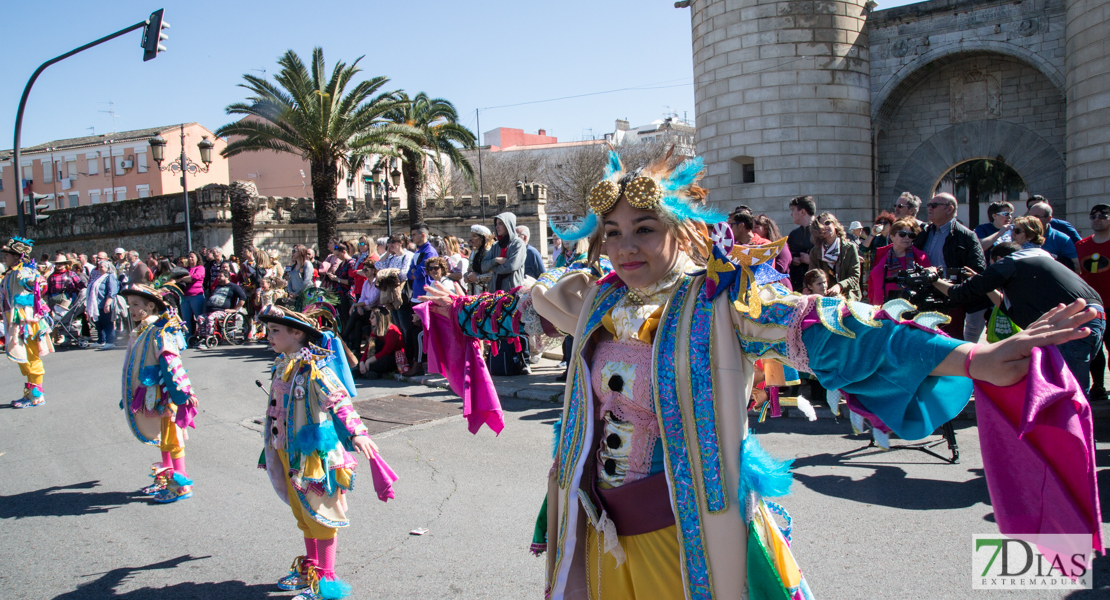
[(480, 54)]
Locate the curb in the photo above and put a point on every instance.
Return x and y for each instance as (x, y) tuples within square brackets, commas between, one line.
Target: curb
[(523, 393)]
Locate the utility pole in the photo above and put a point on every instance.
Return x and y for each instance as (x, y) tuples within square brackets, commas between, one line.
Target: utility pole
[(151, 48), (481, 185)]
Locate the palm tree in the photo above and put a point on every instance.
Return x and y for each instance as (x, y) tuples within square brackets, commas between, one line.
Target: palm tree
[(309, 114), (436, 135), (983, 177)]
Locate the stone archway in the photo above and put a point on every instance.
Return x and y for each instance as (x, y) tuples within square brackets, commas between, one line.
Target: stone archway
[(1038, 163)]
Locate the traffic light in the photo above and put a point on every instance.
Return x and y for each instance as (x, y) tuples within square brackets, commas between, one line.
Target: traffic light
[(36, 209), (153, 36)]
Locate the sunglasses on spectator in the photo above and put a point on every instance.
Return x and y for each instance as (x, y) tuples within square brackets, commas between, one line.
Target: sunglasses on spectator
[(1099, 215), (1004, 213), (936, 204), (909, 234), (901, 206)]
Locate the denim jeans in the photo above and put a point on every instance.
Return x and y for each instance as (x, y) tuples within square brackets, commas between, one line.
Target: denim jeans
[(105, 329), (1078, 353), (192, 307)]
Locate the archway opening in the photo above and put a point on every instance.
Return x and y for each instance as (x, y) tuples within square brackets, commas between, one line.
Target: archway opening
[(978, 182)]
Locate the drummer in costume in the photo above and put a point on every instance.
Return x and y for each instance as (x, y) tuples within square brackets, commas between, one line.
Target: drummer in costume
[(157, 395), (27, 322), (657, 487), (311, 426)]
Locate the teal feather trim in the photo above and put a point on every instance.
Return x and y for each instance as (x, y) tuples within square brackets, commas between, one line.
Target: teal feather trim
[(334, 590), (583, 229), (557, 430), (613, 167), (316, 438), (761, 472), (181, 480), (685, 211), (684, 174)]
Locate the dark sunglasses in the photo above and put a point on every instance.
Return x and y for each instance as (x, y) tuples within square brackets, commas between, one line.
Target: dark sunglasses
[(1099, 215), (904, 233), (901, 206), (936, 204)]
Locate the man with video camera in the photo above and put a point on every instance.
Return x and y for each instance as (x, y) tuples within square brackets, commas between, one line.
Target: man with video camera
[(1033, 283), (951, 248)]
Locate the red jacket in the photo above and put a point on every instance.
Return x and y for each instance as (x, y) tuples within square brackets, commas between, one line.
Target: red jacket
[(391, 345), (876, 287)]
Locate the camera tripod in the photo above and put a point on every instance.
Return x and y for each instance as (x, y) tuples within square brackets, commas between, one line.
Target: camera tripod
[(948, 433)]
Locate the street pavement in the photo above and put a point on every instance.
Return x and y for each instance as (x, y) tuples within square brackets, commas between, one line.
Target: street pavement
[(867, 523)]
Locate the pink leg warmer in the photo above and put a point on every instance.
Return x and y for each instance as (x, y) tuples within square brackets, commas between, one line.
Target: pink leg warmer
[(310, 552), (327, 557), (167, 462), (179, 466)]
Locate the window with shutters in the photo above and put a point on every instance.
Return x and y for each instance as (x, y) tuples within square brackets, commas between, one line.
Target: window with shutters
[(94, 165)]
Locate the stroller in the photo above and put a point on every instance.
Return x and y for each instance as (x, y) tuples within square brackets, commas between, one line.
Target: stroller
[(66, 328)]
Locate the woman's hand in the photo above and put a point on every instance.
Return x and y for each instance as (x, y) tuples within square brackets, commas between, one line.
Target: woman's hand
[(1007, 362), (438, 294), (365, 446), (472, 277), (362, 366), (834, 290), (192, 402)]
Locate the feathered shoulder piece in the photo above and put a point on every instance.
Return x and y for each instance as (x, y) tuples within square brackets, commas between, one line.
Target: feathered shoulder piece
[(660, 186)]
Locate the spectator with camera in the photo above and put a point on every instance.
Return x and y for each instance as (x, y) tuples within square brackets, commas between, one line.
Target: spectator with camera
[(999, 225), (1034, 283), (879, 235), (952, 247), (894, 259), (836, 256), (1058, 244)]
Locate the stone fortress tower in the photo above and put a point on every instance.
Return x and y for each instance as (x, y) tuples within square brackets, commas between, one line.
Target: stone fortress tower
[(853, 105)]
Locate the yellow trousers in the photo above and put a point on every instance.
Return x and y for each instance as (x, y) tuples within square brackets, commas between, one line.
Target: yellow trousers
[(170, 439), (651, 569), (311, 528), (32, 369)]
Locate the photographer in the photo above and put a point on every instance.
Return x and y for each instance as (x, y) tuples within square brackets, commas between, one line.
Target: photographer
[(897, 258), (1001, 222), (950, 245), (1034, 283)]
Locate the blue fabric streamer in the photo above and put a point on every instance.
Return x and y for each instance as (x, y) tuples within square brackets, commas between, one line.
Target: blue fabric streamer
[(762, 473), (337, 362), (887, 369), (315, 437)]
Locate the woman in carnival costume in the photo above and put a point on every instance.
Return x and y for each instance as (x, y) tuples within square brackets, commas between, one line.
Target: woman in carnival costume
[(656, 488), (27, 322), (311, 427), (157, 395)]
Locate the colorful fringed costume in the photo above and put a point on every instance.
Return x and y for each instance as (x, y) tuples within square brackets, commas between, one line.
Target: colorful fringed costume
[(310, 422), (657, 487), (27, 321), (156, 395)]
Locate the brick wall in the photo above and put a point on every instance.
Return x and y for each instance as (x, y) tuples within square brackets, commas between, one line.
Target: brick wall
[(1088, 76)]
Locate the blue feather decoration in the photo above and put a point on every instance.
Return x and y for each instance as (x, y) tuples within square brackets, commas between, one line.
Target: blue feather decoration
[(684, 174), (557, 428), (685, 211), (583, 229), (762, 473), (613, 167), (315, 437), (334, 589)]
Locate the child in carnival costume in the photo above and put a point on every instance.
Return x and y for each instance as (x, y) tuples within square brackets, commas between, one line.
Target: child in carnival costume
[(657, 488), (27, 322), (157, 396), (311, 426)]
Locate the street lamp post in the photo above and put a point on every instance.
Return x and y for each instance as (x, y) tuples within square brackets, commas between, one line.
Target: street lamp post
[(183, 165), (387, 186)]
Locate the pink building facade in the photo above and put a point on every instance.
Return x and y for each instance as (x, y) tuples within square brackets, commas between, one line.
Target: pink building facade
[(107, 168), (507, 137)]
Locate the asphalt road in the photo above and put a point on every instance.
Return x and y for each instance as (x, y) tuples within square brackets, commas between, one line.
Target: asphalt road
[(867, 523)]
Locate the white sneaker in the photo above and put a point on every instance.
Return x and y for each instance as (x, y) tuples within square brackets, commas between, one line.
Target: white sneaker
[(563, 365), (106, 347)]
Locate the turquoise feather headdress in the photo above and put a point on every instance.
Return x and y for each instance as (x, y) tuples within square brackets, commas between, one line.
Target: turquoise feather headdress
[(657, 186)]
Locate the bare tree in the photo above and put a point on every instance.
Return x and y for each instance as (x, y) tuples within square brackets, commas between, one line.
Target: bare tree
[(499, 174), (577, 170)]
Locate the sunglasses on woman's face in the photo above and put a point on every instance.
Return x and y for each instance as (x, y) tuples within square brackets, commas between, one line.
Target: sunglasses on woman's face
[(907, 234), (1004, 213)]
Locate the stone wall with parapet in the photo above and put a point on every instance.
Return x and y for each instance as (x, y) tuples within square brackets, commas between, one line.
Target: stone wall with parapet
[(157, 223)]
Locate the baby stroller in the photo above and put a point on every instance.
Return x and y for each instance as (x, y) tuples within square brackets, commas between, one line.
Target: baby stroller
[(66, 328)]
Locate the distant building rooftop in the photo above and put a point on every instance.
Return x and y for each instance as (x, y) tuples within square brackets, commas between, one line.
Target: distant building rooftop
[(90, 141)]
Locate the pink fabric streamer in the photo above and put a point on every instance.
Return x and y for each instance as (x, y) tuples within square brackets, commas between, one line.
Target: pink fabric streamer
[(383, 478), (185, 414), (1037, 439), (138, 399), (469, 378)]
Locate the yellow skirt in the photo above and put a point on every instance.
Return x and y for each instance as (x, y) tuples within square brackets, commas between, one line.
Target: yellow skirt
[(651, 570)]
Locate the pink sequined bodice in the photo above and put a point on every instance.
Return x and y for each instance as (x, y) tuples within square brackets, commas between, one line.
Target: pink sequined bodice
[(621, 381)]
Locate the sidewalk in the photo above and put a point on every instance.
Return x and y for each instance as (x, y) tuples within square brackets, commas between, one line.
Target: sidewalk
[(540, 385)]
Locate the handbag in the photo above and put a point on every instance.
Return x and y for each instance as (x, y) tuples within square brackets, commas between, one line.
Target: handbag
[(1000, 327)]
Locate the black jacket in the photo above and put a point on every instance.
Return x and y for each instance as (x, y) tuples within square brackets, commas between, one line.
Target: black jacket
[(961, 249)]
